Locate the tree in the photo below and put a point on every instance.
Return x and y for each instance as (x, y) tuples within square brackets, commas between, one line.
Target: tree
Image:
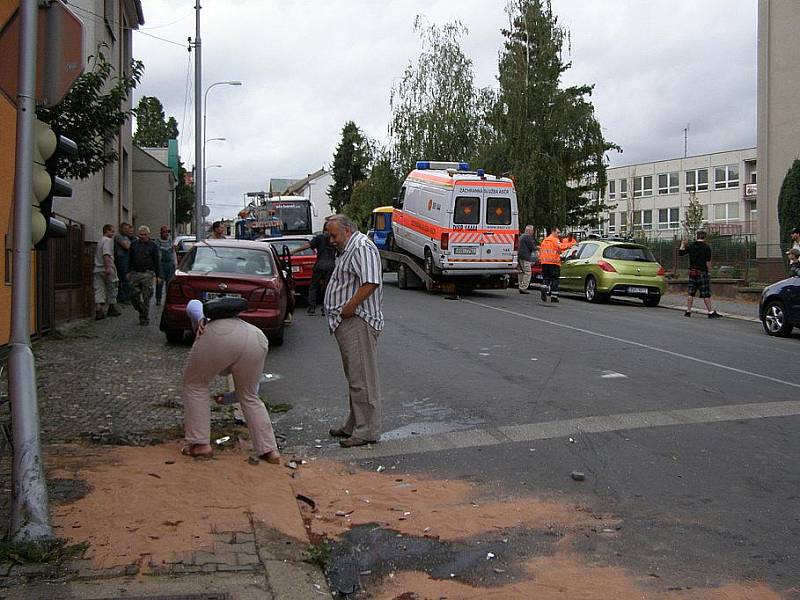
[(377, 190), (92, 117), (693, 219), (152, 129), (435, 104), (350, 164), (184, 197), (789, 202), (548, 138)]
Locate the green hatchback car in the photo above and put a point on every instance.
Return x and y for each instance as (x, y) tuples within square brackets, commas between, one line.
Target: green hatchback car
[(603, 268)]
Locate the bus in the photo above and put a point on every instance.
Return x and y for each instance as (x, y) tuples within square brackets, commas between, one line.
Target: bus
[(275, 217)]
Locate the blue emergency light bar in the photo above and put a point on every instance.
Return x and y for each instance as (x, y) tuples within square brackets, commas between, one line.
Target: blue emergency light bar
[(424, 165)]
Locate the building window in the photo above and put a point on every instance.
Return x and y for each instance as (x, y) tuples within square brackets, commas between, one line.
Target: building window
[(754, 177), (697, 180), (726, 177), (726, 212), (643, 186), (612, 190), (623, 188), (612, 225), (704, 212), (668, 183), (643, 219), (623, 222), (668, 218)]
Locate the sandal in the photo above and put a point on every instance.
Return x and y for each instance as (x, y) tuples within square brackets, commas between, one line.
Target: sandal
[(273, 457), (189, 451)]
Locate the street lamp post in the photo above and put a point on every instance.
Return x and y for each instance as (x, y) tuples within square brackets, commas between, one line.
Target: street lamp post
[(205, 101), (205, 173)]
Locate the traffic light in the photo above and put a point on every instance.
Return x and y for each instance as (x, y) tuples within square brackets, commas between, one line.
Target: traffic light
[(47, 148)]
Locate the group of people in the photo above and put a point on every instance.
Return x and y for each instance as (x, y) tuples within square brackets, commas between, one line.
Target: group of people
[(125, 268), (549, 253), (350, 273)]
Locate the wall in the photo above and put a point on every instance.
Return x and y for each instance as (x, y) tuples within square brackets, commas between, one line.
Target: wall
[(778, 121), (152, 191)]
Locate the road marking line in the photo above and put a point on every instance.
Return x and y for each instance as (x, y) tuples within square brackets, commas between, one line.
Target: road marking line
[(613, 375), (638, 344), (529, 432)]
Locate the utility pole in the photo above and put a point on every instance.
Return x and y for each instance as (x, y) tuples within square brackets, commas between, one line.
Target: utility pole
[(30, 518), (199, 217), (686, 141)]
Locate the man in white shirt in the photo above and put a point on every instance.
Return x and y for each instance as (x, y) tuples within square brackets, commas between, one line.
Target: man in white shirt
[(105, 276)]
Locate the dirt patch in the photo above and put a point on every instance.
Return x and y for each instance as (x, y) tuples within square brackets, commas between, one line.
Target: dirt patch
[(151, 502), (413, 505), (558, 577)]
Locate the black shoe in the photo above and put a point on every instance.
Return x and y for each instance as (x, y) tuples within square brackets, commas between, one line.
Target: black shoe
[(113, 311), (312, 310), (544, 295), (687, 313), (521, 291), (554, 299), (338, 433), (99, 315), (352, 442), (714, 315)]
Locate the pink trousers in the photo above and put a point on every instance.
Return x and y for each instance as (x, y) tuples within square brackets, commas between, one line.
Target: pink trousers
[(227, 345)]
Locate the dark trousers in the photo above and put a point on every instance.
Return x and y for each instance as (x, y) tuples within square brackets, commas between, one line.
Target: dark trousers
[(316, 291), (550, 275), (122, 264)]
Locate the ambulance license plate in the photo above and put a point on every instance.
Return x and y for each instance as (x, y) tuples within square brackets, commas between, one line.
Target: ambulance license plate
[(637, 290), (465, 250)]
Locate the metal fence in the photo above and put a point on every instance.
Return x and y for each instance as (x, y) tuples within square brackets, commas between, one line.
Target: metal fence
[(731, 256)]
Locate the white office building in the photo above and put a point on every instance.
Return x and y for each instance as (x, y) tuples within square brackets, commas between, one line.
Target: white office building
[(653, 197)]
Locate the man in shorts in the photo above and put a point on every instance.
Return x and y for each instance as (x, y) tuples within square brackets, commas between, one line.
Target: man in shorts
[(699, 282)]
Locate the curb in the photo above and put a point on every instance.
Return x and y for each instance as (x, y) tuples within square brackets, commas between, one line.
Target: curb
[(724, 314)]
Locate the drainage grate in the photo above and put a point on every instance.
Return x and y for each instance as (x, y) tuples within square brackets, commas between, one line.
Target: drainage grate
[(204, 596)]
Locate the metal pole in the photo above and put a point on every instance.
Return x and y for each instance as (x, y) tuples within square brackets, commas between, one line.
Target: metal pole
[(30, 519), (199, 133)]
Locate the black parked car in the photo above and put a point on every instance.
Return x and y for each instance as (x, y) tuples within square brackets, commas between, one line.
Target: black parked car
[(779, 309)]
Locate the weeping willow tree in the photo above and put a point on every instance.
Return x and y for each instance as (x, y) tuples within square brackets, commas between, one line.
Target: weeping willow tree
[(435, 107), (546, 137)]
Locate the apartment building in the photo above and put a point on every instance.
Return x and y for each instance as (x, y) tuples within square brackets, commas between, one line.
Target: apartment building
[(653, 197)]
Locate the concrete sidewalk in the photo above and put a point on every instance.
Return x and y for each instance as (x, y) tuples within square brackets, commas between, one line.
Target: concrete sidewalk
[(157, 523), (736, 309)]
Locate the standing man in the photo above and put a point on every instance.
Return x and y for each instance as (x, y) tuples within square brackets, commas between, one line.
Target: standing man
[(353, 305), (550, 257), (527, 248), (105, 276), (122, 246), (168, 262), (217, 231), (699, 281), (323, 267), (144, 266)]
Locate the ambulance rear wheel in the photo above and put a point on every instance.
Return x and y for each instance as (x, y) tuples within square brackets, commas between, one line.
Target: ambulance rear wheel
[(402, 277), (430, 268)]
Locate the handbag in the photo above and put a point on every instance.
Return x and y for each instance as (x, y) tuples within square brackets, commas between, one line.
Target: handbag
[(224, 307)]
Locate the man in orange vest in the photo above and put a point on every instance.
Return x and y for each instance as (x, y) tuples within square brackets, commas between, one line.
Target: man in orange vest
[(568, 242), (550, 257)]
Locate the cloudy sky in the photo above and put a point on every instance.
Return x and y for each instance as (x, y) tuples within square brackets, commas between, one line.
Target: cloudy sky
[(308, 66)]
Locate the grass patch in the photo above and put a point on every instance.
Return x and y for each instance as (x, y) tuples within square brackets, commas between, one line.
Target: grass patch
[(319, 554), (47, 552)]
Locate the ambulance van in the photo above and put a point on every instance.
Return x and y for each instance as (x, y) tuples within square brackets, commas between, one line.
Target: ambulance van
[(457, 221)]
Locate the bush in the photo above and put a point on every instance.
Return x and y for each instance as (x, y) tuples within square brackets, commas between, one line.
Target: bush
[(789, 202)]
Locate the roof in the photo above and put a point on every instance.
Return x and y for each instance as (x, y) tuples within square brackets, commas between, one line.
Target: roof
[(383, 209), (449, 178)]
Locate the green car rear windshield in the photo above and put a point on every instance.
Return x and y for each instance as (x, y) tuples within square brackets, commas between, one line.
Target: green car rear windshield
[(632, 253)]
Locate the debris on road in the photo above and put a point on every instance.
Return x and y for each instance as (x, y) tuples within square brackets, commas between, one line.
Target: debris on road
[(578, 475), (222, 440)]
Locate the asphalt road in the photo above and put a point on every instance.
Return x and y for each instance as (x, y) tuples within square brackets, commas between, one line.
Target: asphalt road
[(686, 429)]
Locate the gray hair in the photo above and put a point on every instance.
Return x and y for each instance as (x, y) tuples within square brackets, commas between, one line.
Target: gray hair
[(529, 229), (343, 221), (144, 229)]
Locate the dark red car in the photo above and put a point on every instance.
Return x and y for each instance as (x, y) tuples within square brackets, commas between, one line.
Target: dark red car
[(214, 268), (302, 262)]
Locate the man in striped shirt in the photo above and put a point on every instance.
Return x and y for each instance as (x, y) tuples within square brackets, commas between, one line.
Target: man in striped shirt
[(353, 302)]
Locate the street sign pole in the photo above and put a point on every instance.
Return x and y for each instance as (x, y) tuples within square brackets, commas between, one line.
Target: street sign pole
[(30, 519)]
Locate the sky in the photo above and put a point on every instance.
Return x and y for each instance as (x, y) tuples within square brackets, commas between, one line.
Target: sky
[(309, 66)]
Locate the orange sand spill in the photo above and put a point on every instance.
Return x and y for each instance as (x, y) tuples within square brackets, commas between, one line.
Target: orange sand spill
[(559, 577), (420, 506), (140, 507)]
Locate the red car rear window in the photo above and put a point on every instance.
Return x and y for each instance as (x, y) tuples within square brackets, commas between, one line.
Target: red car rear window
[(221, 259)]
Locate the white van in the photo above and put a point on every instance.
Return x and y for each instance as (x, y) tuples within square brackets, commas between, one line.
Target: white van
[(459, 222)]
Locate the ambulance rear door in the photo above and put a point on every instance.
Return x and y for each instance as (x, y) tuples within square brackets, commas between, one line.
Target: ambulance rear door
[(465, 237), (499, 227)]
